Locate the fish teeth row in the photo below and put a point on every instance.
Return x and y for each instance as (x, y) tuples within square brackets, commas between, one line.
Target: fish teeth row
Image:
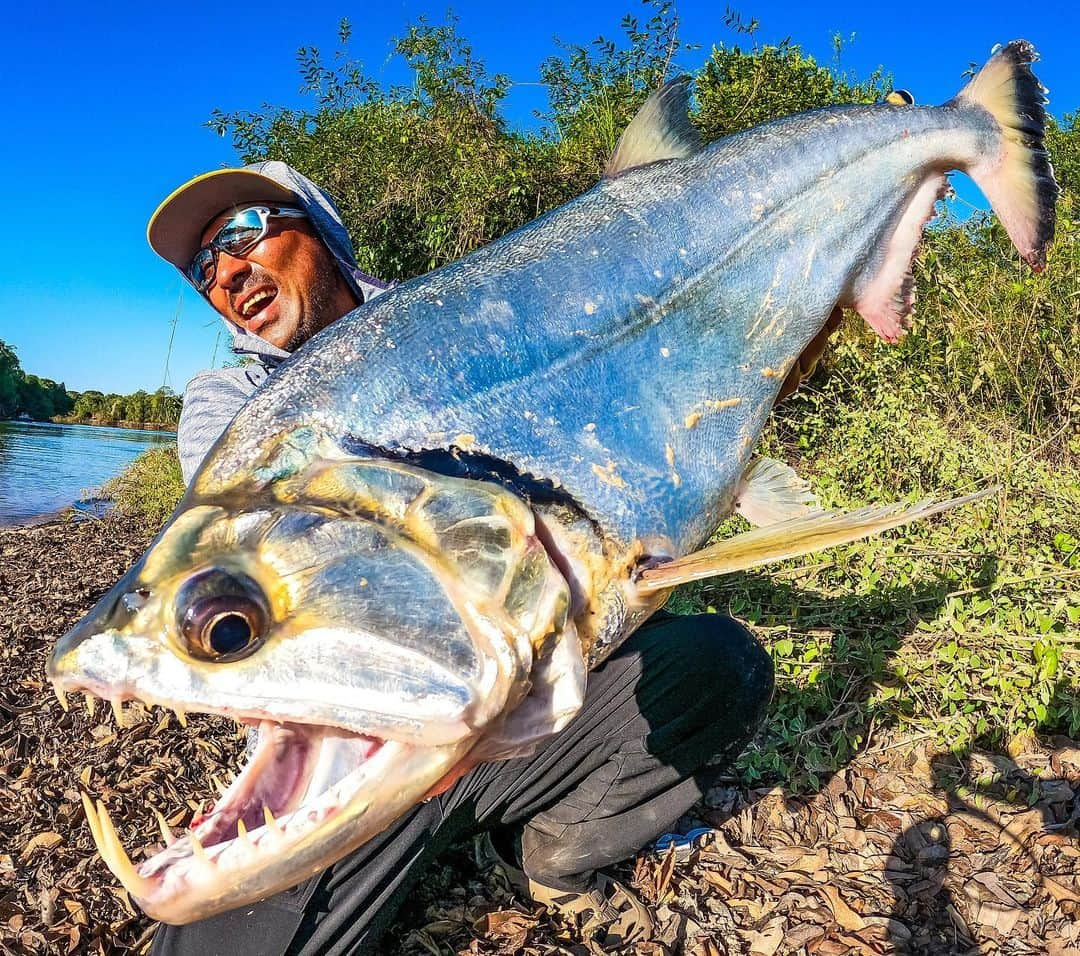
[(266, 837), (117, 705)]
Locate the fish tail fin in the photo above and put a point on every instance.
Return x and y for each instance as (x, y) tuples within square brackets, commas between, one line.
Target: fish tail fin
[(1019, 181), (790, 539)]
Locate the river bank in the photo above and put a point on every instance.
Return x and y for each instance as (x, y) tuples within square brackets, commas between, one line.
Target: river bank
[(46, 468)]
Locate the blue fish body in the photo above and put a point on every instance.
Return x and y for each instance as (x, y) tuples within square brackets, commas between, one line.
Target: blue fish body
[(629, 346)]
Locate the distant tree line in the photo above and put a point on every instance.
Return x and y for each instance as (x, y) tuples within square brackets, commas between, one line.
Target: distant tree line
[(145, 408), (43, 399)]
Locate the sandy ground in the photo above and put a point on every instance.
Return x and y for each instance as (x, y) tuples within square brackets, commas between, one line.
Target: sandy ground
[(904, 851)]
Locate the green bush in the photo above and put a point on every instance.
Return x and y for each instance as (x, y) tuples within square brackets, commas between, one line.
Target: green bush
[(964, 629), (150, 487)]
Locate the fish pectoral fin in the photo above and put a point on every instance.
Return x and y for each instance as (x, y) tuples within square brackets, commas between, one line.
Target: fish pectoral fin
[(661, 129), (770, 491), (789, 539)]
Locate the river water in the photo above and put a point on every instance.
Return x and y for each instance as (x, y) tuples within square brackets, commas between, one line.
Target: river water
[(46, 467)]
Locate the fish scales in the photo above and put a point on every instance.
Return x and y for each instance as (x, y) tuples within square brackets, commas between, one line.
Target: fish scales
[(569, 383)]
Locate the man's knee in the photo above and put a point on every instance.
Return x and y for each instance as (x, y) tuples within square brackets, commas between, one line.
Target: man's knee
[(708, 658), (701, 686)]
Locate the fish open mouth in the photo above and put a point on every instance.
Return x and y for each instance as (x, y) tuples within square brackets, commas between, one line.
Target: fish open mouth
[(298, 777), (302, 789)]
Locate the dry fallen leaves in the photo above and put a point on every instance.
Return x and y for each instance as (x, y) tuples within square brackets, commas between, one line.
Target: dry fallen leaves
[(890, 856)]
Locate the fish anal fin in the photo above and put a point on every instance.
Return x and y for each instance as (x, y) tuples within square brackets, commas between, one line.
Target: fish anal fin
[(770, 491), (790, 539), (661, 129), (886, 297)]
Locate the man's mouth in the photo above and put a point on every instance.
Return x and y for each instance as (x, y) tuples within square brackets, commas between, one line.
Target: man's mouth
[(255, 304)]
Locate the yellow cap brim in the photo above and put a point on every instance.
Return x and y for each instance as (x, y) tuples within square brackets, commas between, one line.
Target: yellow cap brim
[(175, 229)]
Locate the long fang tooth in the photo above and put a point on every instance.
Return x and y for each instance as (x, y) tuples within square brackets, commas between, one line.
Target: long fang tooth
[(91, 818), (241, 833), (218, 785), (181, 716), (115, 856), (91, 703), (62, 697), (118, 711), (271, 823), (197, 850), (166, 831)]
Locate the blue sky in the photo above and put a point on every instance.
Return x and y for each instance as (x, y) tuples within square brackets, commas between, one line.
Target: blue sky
[(105, 106)]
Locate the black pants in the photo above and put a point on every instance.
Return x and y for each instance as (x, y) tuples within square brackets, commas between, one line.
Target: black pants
[(676, 702)]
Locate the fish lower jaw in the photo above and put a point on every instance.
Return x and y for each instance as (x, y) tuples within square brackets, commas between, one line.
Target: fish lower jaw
[(227, 858)]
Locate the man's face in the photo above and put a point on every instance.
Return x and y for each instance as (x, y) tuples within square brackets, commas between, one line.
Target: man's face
[(285, 289)]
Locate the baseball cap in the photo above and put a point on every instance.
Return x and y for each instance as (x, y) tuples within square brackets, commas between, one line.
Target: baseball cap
[(177, 224), (176, 227)]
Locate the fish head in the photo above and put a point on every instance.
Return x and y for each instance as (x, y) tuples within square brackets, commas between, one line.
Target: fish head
[(375, 621)]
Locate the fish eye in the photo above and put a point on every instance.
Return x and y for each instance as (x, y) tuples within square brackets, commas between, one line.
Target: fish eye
[(222, 615)]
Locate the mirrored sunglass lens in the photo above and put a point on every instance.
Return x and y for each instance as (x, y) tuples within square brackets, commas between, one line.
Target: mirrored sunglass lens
[(240, 233), (201, 270)]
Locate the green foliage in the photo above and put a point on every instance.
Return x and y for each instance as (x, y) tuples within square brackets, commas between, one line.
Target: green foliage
[(422, 174), (594, 90), (10, 374), (150, 487), (965, 630), (43, 399), (22, 394), (161, 407), (738, 89), (1063, 141), (428, 172)]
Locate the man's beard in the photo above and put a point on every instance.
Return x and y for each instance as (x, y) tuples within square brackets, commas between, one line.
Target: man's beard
[(319, 314)]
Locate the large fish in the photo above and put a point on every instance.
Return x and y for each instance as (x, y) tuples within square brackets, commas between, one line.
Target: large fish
[(408, 548)]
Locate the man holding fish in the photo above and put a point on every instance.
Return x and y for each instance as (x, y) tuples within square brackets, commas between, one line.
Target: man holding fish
[(267, 249), (415, 540)]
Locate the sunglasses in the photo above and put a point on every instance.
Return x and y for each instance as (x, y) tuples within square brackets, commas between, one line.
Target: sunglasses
[(245, 230)]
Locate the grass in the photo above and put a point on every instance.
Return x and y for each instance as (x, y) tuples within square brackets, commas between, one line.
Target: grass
[(150, 487), (966, 629)]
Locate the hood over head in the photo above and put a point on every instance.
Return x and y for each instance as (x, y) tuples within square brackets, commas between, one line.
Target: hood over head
[(175, 228)]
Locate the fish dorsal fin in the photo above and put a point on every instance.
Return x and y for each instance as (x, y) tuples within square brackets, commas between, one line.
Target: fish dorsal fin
[(900, 98), (770, 491), (789, 539), (660, 130)]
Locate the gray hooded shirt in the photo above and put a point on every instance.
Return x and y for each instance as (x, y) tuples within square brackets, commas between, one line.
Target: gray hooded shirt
[(214, 396)]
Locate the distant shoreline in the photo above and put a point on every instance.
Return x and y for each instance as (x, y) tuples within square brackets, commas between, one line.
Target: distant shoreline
[(113, 423)]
